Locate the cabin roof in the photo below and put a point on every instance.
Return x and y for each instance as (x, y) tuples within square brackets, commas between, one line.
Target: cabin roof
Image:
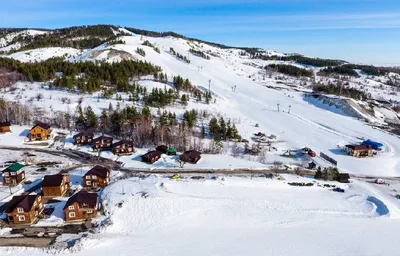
[(42, 125), (3, 124), (103, 137), (52, 180), (152, 154), (122, 142), (26, 202), (14, 167), (98, 171), (87, 134), (82, 197)]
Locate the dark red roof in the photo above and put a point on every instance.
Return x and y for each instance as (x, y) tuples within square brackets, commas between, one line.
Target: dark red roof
[(102, 137), (192, 153), (86, 134), (42, 125), (26, 202), (152, 154), (3, 124), (359, 147), (98, 171), (83, 197), (122, 142), (52, 180)]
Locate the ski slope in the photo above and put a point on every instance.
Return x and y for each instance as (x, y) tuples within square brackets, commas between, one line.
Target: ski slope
[(253, 103)]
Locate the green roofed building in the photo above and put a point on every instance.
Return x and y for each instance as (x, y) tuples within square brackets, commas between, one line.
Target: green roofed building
[(13, 174)]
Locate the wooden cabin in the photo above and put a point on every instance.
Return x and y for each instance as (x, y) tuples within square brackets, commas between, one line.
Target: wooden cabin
[(123, 147), (5, 127), (151, 156), (55, 185), (344, 178), (81, 206), (25, 209), (40, 131), (102, 142), (191, 156), (359, 150), (13, 174), (97, 177), (83, 138)]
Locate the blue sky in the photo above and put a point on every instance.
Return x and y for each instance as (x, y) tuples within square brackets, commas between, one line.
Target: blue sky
[(366, 31)]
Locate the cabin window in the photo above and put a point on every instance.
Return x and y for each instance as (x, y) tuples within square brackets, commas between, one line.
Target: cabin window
[(88, 177), (71, 207), (88, 183), (21, 218), (5, 174), (89, 211), (71, 215), (20, 210), (13, 173), (94, 177), (35, 203), (23, 175), (40, 205)]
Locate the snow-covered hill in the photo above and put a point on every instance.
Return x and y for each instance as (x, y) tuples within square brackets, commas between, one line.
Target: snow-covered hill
[(255, 100)]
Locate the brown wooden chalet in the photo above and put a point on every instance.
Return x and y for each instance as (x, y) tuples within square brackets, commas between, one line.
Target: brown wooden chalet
[(151, 156), (102, 142), (123, 147), (40, 131), (359, 150), (97, 177), (13, 174), (55, 185), (24, 209), (5, 127), (191, 156), (83, 138), (81, 206)]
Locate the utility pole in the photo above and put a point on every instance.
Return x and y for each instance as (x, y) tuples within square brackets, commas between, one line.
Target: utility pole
[(278, 106), (209, 86), (289, 108)]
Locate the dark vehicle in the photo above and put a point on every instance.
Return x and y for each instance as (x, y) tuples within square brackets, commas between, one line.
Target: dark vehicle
[(340, 190)]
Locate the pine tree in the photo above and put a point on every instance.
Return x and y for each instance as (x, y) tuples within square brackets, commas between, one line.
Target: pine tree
[(91, 117)]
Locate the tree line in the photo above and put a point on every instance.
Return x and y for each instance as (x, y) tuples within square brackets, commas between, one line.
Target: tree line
[(290, 70), (339, 90), (199, 54)]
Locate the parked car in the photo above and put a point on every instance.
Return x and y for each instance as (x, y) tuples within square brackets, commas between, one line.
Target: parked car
[(337, 189)]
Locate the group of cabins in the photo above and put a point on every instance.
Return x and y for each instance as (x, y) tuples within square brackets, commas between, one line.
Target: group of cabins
[(40, 131), (191, 156), (83, 205), (365, 149), (103, 142)]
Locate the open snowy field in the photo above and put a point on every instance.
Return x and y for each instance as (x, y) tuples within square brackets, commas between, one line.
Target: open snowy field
[(238, 216)]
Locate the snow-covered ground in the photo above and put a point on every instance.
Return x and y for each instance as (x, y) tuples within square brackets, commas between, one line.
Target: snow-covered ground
[(239, 216), (42, 54)]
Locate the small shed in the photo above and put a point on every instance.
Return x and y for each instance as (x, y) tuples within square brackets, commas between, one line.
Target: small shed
[(151, 156), (162, 148), (171, 152), (190, 156), (344, 178)]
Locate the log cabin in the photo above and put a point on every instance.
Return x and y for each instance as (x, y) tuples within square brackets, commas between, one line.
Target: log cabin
[(359, 150), (123, 147), (40, 131), (190, 156), (5, 127), (81, 206), (151, 156), (55, 185), (83, 138), (97, 177), (25, 209), (102, 142), (13, 174)]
